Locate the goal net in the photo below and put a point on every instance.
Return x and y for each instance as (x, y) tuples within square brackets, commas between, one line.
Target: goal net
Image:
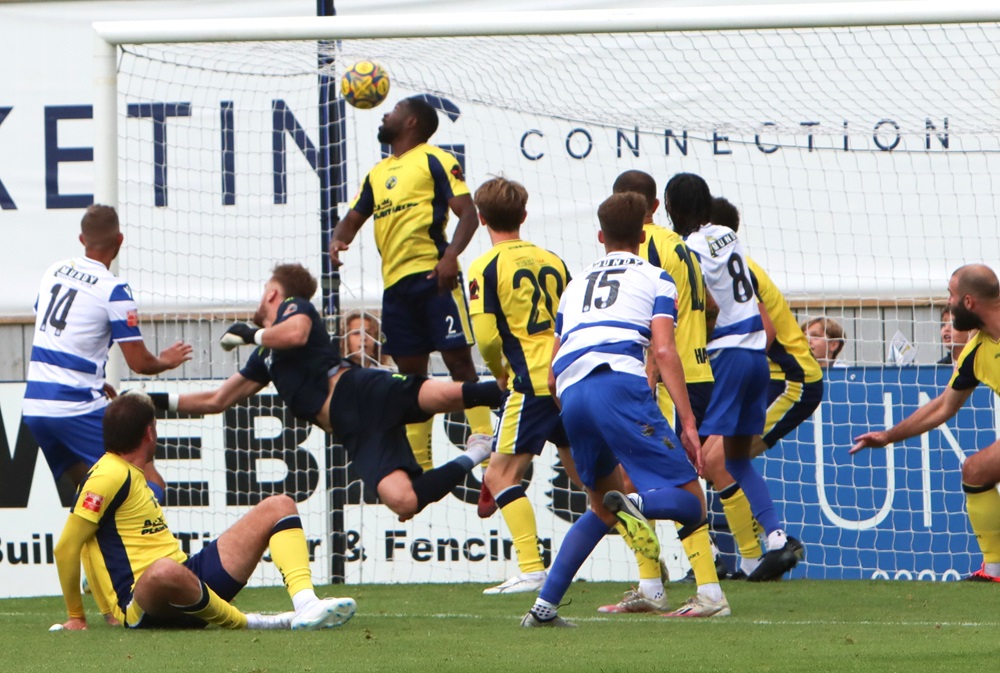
[(862, 159)]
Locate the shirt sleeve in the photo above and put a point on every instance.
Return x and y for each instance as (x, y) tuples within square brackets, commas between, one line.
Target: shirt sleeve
[(123, 314), (665, 301), (95, 495), (447, 174), (965, 377), (255, 368), (364, 202), (476, 288)]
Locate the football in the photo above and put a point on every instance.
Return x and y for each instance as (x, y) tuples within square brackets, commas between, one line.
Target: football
[(365, 85)]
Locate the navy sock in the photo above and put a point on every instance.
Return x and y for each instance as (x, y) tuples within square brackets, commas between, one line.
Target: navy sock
[(481, 394), (434, 484), (671, 503), (756, 491), (580, 540)]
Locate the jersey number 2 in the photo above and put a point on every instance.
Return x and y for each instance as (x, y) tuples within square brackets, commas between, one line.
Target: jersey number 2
[(58, 309)]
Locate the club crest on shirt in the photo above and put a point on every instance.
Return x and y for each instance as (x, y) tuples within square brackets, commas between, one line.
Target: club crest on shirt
[(456, 172), (132, 318), (92, 501), (291, 308), (391, 182), (474, 288)]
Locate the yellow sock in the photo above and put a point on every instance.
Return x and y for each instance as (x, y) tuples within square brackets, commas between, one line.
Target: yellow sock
[(290, 554), (520, 517), (480, 420), (742, 525), (419, 435), (698, 546), (212, 609), (983, 505)]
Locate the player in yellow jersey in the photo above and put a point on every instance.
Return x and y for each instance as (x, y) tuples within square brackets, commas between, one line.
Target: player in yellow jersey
[(514, 290), (794, 393), (150, 581), (423, 305), (974, 300), (664, 248)]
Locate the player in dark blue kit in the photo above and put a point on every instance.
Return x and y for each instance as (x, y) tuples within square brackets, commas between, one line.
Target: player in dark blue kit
[(367, 409)]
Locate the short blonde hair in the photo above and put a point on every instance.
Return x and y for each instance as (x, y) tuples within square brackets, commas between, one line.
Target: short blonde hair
[(502, 203)]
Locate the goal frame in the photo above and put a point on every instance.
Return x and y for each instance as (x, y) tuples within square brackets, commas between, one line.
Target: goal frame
[(109, 36)]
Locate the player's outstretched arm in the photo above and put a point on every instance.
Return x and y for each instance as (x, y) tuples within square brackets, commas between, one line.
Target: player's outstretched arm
[(343, 234), (446, 270), (927, 417), (141, 361), (235, 389), (75, 534)]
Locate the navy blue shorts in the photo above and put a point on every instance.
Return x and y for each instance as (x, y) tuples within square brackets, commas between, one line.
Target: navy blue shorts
[(68, 440), (369, 412), (527, 422), (789, 404), (207, 566), (739, 399), (611, 418), (699, 394), (417, 319)]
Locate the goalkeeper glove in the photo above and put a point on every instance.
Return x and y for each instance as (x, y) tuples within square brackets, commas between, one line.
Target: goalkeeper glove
[(241, 334)]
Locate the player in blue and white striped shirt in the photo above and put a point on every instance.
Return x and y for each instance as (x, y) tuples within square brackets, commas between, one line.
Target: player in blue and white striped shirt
[(607, 317), (737, 350), (82, 308)]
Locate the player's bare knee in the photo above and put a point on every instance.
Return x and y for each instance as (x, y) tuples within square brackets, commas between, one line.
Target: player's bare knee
[(280, 505), (400, 500), (979, 470), (164, 573)]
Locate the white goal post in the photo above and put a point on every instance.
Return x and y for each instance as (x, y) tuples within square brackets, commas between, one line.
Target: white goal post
[(859, 141)]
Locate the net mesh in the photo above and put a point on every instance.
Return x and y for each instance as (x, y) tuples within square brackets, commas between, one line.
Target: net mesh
[(862, 161)]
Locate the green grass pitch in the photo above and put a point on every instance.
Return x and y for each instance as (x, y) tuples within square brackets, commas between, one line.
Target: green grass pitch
[(800, 625)]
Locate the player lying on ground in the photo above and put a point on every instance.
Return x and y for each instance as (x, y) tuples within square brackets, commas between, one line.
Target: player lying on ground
[(974, 300), (608, 316), (367, 409), (151, 581)]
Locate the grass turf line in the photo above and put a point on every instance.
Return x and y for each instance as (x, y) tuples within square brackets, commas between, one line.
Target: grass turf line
[(788, 626)]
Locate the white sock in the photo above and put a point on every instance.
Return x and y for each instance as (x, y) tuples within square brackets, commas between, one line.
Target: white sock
[(992, 569), (748, 565), (776, 539), (635, 498), (267, 622), (651, 588), (477, 452), (543, 610), (303, 599), (711, 591)]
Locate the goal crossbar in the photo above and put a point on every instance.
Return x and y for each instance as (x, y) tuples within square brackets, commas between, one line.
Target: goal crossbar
[(820, 15)]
